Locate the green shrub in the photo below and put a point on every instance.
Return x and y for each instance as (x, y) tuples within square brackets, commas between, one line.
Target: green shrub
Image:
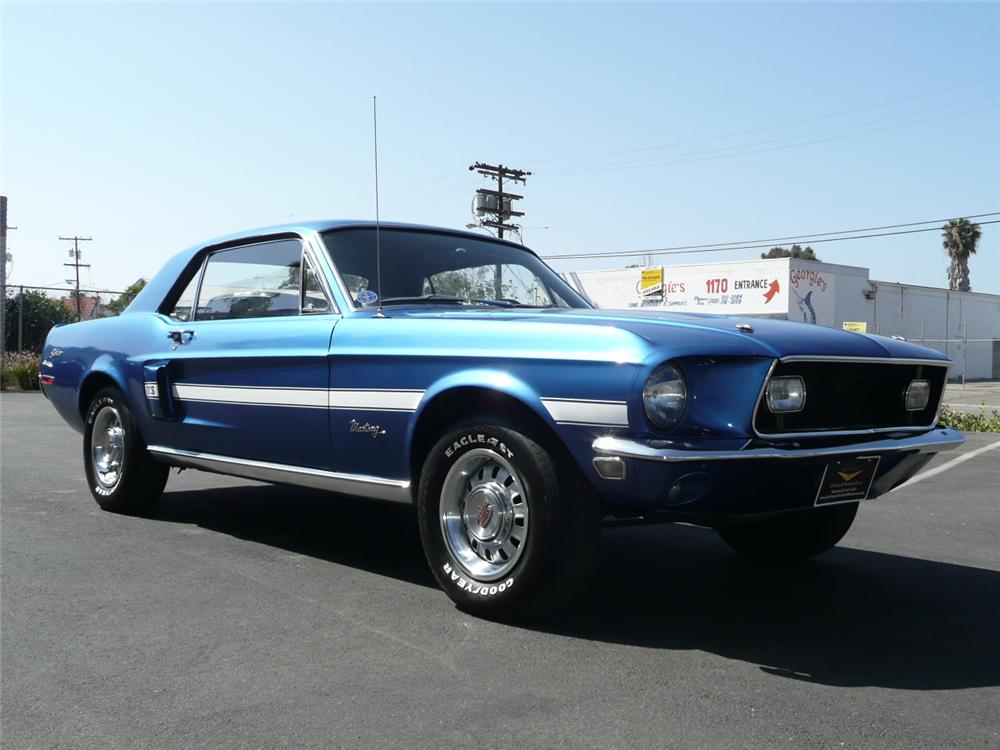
[(969, 422), (19, 372)]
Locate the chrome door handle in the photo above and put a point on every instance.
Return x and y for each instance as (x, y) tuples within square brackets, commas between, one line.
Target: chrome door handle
[(180, 337)]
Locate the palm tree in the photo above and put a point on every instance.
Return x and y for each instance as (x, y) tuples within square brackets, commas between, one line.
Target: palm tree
[(959, 238)]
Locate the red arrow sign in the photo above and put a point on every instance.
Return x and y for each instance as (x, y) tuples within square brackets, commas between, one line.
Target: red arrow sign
[(771, 291)]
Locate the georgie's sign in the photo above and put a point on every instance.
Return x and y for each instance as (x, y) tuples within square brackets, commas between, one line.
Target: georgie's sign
[(798, 290), (718, 290)]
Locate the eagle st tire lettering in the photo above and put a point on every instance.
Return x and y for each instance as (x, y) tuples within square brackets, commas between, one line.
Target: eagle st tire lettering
[(479, 439), (96, 407)]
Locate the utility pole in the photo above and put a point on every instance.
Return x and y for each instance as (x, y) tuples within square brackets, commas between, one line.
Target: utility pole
[(498, 203), (3, 275), (4, 257), (20, 320), (75, 255)]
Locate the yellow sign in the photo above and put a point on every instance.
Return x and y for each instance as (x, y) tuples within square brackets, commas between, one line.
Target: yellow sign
[(652, 282), (861, 327)]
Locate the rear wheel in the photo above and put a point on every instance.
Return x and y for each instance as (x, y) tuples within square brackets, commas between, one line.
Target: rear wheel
[(508, 528), (792, 537), (121, 474)]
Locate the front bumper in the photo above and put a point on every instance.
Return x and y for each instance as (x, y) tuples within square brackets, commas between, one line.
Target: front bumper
[(676, 477)]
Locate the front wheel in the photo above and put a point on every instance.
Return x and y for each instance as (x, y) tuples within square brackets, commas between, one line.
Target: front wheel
[(791, 537), (508, 528), (121, 474)]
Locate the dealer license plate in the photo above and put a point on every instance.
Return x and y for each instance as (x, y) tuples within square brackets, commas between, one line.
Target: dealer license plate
[(847, 480)]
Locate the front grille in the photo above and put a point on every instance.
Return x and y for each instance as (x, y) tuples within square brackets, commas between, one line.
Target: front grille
[(853, 396)]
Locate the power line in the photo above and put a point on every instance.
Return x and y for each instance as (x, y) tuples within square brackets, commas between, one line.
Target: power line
[(807, 134), (675, 159), (805, 237), (779, 126), (430, 199), (767, 243)]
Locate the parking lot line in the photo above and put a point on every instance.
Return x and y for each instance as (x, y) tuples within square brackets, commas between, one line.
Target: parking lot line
[(951, 464)]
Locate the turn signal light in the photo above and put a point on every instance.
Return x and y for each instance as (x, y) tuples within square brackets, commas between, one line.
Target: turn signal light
[(918, 395)]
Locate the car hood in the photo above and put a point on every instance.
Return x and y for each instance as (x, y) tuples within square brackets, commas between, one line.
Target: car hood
[(711, 334)]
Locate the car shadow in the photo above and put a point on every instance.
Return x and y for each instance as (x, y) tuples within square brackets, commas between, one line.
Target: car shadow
[(378, 537), (849, 618)]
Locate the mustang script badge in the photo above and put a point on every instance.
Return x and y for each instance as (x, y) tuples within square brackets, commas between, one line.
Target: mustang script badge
[(365, 428)]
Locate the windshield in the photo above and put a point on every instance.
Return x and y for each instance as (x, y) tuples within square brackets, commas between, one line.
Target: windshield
[(433, 268)]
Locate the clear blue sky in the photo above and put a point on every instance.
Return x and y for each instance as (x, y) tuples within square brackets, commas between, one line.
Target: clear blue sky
[(153, 127)]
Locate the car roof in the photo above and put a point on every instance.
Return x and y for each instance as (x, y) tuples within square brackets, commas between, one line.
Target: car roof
[(152, 295), (323, 225)]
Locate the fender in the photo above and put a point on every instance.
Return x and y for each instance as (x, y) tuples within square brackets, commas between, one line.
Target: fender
[(103, 367), (496, 380)]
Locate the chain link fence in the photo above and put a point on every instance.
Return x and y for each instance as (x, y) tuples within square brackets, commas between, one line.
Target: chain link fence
[(30, 311)]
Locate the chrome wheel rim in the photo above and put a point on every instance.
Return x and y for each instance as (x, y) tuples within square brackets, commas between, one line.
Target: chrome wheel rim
[(484, 514), (107, 447)]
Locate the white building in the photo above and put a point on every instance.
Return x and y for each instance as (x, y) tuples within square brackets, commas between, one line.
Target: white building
[(963, 325)]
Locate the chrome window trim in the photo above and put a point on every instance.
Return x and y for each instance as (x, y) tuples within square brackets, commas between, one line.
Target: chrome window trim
[(308, 256), (328, 271), (845, 433), (359, 485), (194, 300)]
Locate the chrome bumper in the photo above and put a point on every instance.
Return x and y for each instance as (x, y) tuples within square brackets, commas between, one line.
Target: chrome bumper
[(672, 451)]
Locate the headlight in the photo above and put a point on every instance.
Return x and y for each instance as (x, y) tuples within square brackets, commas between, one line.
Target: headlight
[(786, 394), (918, 393), (664, 396)]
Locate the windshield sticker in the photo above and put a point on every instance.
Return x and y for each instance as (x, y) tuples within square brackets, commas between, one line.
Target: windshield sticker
[(367, 297)]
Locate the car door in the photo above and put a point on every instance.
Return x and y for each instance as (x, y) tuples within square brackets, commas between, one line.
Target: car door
[(248, 374)]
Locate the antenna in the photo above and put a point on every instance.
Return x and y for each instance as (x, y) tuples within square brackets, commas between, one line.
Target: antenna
[(378, 246)]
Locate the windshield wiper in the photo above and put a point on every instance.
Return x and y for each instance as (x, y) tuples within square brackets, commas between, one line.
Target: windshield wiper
[(424, 298), (456, 300), (447, 298), (515, 303)]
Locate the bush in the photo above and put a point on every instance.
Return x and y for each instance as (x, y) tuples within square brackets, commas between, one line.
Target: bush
[(968, 422), (19, 371)]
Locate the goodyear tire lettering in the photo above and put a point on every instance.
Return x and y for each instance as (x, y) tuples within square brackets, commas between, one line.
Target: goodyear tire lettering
[(477, 588)]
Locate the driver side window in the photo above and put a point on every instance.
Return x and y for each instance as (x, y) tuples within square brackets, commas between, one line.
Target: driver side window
[(261, 280), (254, 281)]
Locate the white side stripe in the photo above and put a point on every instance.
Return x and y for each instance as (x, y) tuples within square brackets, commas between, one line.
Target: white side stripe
[(319, 398), (575, 411), (247, 395), (563, 410), (377, 400)]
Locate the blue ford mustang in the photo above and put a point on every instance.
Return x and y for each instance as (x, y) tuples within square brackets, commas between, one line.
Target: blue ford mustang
[(460, 373)]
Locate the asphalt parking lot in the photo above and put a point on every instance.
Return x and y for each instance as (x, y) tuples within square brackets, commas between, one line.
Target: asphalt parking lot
[(251, 616)]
